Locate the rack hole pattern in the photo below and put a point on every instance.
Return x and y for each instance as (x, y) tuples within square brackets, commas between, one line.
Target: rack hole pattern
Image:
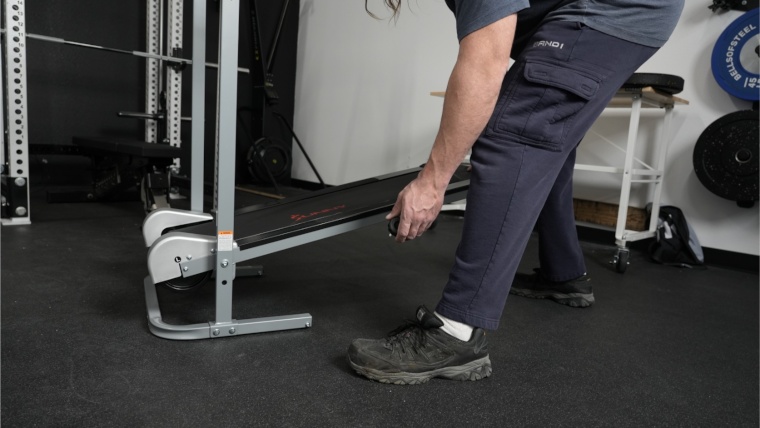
[(16, 96)]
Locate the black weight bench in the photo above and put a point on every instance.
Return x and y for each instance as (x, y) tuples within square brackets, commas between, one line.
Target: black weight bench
[(126, 147), (119, 165)]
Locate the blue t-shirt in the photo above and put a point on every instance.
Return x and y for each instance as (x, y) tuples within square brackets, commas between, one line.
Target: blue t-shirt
[(646, 22)]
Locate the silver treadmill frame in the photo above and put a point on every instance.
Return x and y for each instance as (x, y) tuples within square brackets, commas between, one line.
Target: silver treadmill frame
[(224, 254), (220, 254)]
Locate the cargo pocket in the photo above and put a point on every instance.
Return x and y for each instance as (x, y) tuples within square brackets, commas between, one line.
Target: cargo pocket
[(539, 106)]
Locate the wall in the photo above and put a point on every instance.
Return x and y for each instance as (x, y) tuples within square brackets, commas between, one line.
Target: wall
[(363, 106), (362, 87)]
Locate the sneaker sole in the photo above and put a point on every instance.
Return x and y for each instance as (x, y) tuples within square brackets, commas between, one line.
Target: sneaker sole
[(474, 370), (575, 300)]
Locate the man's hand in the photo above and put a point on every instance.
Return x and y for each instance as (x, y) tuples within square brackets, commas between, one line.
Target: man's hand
[(417, 205), (471, 95)]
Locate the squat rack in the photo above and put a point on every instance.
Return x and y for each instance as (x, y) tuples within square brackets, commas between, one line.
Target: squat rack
[(161, 47), (16, 145)]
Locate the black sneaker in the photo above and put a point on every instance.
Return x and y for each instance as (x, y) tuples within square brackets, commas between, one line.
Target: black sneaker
[(419, 351), (576, 293)]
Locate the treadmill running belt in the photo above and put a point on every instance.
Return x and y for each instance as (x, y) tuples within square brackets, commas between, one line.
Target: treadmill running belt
[(294, 216)]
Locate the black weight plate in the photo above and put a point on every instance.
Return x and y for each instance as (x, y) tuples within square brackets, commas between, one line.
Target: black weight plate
[(268, 157), (667, 83), (726, 156), (742, 5), (277, 159)]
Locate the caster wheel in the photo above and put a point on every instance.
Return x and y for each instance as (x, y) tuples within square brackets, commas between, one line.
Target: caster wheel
[(622, 260), (393, 225)]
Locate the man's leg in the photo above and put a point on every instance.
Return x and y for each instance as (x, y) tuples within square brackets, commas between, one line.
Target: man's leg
[(552, 95), (562, 273), (560, 254)]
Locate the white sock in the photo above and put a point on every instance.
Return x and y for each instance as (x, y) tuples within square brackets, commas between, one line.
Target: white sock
[(457, 329)]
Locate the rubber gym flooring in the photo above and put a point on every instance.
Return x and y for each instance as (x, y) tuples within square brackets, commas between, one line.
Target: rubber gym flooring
[(662, 346)]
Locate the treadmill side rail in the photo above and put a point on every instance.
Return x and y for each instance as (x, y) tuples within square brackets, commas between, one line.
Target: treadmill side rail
[(163, 218), (455, 192)]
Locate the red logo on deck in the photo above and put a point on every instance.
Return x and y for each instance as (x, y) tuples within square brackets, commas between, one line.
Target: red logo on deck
[(299, 217)]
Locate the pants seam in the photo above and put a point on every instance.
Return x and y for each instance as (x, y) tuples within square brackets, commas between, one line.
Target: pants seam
[(501, 231)]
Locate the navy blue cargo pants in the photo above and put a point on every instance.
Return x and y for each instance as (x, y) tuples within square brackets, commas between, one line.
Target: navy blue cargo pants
[(522, 165)]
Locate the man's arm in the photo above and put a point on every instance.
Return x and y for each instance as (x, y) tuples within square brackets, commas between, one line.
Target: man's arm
[(471, 95)]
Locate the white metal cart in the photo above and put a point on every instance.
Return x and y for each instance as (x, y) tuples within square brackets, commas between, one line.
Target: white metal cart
[(634, 99)]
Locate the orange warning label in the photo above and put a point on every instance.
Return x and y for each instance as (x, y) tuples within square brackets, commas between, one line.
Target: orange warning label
[(224, 240)]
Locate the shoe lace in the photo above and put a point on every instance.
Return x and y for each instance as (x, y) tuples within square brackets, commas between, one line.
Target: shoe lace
[(408, 337)]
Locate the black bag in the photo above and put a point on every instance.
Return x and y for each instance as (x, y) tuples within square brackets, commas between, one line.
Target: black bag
[(676, 243)]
